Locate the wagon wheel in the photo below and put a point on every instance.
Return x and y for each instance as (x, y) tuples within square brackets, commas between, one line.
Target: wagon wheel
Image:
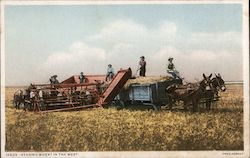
[(170, 105), (120, 104), (166, 104), (42, 105), (171, 101), (155, 106)]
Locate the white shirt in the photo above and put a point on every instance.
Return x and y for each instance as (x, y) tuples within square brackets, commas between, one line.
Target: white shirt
[(40, 94), (110, 70), (32, 94)]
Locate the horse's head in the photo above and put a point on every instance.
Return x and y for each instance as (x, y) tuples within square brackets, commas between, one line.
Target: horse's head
[(206, 83), (19, 92), (218, 83)]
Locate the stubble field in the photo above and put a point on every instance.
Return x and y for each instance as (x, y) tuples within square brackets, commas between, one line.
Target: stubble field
[(128, 130)]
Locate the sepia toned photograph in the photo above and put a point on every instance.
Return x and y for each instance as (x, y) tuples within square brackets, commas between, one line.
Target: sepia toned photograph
[(124, 79)]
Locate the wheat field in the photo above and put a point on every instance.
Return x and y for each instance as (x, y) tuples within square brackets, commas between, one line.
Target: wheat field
[(110, 129)]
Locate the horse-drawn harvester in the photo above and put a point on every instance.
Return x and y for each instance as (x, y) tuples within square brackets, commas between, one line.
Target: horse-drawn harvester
[(95, 92), (72, 95)]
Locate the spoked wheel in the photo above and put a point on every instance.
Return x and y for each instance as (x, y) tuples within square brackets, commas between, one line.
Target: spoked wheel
[(119, 104)]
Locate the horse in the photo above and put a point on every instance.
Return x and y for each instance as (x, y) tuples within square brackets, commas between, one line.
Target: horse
[(26, 97), (191, 93), (18, 99), (218, 84)]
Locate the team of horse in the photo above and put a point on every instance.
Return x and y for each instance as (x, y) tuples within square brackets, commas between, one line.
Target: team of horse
[(205, 91), (22, 98), (18, 99)]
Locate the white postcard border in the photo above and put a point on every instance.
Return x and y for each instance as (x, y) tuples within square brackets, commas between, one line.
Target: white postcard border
[(133, 154)]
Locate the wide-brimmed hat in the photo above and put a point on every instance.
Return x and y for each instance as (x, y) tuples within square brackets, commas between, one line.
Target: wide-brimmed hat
[(109, 65)]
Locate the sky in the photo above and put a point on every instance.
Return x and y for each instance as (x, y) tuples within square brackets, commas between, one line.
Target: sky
[(43, 40)]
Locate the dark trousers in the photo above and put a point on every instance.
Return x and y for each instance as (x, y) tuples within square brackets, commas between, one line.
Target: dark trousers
[(109, 76), (142, 72)]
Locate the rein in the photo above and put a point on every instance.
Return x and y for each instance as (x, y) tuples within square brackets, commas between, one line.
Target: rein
[(218, 83)]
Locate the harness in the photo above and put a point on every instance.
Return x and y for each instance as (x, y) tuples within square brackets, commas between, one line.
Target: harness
[(218, 83)]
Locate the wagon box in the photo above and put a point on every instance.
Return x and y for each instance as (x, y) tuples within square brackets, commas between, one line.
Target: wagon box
[(152, 94)]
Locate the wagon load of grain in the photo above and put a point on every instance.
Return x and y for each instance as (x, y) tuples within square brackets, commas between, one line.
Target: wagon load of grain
[(147, 80)]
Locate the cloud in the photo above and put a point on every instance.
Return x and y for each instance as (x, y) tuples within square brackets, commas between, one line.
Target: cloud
[(122, 42), (126, 40), (193, 63), (120, 31), (163, 34), (167, 28), (79, 57), (215, 41), (131, 32)]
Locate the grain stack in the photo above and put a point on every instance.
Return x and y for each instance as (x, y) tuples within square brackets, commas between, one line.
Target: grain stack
[(147, 80)]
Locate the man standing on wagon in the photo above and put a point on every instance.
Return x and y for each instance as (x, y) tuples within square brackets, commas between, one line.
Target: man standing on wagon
[(142, 65), (53, 79), (110, 73), (171, 69), (82, 78)]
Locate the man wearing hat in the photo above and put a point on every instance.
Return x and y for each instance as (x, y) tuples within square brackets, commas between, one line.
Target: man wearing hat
[(110, 72), (53, 79), (142, 65), (82, 78), (171, 69), (56, 81)]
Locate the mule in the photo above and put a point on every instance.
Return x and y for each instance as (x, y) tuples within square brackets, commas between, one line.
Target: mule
[(189, 94), (18, 99), (218, 84)]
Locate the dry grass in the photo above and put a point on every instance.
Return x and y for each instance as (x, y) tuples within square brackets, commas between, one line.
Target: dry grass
[(146, 80), (116, 130)]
